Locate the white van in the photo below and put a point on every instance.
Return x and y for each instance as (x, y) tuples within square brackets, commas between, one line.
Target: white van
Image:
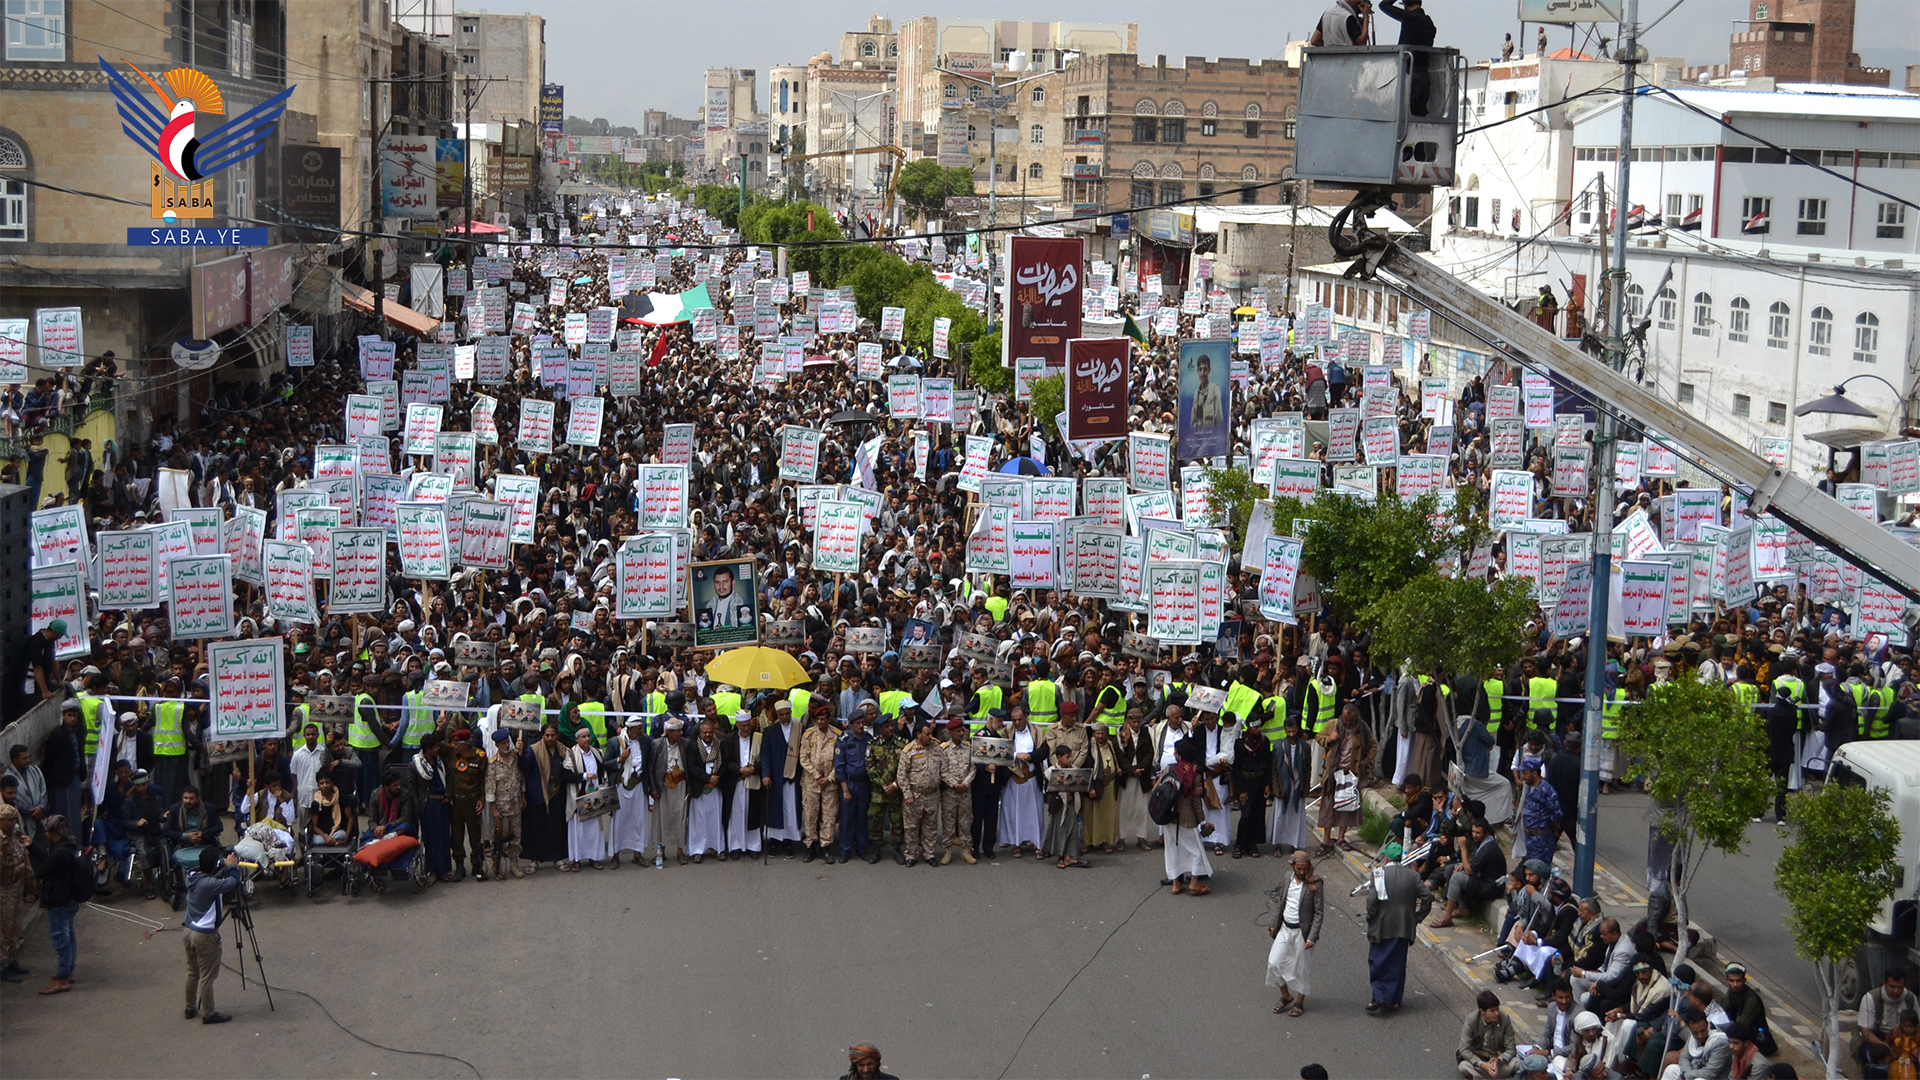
[(1892, 766)]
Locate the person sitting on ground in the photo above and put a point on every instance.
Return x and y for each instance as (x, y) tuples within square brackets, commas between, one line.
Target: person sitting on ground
[(1478, 879), (1487, 1047)]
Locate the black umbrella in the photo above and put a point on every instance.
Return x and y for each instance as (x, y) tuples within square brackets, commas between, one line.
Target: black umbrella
[(854, 416)]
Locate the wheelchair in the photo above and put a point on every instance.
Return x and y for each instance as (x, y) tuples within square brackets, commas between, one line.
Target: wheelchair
[(259, 861), (409, 865), (319, 858), (168, 882)]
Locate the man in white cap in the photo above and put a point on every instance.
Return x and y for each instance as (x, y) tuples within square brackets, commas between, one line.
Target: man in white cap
[(780, 768), (676, 768), (629, 760)]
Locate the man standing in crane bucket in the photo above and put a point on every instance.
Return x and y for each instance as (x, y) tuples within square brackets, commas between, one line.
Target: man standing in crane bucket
[(1416, 29), (1346, 23)]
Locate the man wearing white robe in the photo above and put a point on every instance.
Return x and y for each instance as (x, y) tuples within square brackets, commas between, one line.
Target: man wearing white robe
[(586, 837), (747, 742), (706, 834), (631, 824)]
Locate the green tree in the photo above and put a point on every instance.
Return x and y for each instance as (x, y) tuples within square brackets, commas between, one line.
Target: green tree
[(924, 186), (1049, 399), (1843, 864), (983, 365), (1451, 625), (722, 201), (1705, 759), (784, 222)]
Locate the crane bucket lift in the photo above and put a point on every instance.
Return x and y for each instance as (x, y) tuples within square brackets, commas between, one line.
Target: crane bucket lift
[(893, 179), (1350, 136)]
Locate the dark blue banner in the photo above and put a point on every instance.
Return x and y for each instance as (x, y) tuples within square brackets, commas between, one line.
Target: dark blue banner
[(191, 236)]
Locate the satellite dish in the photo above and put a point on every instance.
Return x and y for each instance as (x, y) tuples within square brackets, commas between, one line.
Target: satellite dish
[(196, 355)]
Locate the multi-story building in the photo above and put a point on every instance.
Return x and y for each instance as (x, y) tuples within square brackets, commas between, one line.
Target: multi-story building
[(1765, 278), (60, 125), (950, 68), (1139, 134), (849, 106), (787, 106), (1796, 41), (502, 65), (729, 98)]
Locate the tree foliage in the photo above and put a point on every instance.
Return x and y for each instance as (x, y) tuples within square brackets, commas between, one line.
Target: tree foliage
[(787, 223), (1450, 624), (1231, 495), (924, 186), (983, 365), (1049, 400), (1842, 865)]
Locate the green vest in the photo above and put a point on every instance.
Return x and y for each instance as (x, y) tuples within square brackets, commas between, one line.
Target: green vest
[(1496, 701), (419, 718), (990, 699), (360, 733), (1043, 701), (1746, 694), (655, 703), (305, 713), (1241, 700), (169, 737), (90, 721), (725, 703), (1610, 709), (1540, 694), (1324, 690), (595, 714), (1273, 719), (1881, 726)]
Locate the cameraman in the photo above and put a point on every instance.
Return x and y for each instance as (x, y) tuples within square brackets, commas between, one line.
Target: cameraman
[(206, 906)]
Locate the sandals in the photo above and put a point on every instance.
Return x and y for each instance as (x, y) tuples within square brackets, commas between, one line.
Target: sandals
[(1441, 925), (1237, 855), (1285, 1004), (1344, 846), (1297, 1010), (1019, 852), (1200, 888), (1179, 887)]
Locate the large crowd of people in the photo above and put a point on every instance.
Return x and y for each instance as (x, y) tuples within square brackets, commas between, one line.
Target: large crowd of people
[(637, 752)]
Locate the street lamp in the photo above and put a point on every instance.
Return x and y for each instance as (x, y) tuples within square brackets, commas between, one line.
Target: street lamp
[(995, 101), (1838, 404)]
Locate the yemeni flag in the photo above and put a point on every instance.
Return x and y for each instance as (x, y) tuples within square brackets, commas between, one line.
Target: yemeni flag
[(1758, 223), (1133, 331), (1691, 223), (661, 309)]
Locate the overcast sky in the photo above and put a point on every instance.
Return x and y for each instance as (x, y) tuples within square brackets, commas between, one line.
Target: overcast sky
[(616, 59)]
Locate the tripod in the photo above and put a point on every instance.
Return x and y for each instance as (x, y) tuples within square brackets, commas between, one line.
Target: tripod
[(243, 918)]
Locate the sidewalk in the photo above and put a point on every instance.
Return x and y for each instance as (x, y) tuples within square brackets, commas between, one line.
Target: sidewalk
[(1468, 937)]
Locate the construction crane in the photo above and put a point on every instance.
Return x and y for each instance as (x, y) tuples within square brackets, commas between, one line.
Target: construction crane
[(893, 180)]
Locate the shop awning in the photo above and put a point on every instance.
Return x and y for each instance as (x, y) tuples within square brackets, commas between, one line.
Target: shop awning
[(399, 315)]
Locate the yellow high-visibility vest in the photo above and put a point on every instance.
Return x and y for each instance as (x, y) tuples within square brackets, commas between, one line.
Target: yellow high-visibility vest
[(169, 733)]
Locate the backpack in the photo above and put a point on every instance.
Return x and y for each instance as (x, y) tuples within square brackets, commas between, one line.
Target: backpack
[(1163, 806)]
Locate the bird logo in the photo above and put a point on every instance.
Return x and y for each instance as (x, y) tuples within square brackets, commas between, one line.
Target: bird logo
[(177, 137)]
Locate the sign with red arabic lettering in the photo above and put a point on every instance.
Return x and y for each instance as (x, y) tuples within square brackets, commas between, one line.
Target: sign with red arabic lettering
[(1173, 602), (248, 689), (643, 577), (201, 587), (836, 536)]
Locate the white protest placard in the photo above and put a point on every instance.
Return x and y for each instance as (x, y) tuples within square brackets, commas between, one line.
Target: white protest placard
[(523, 494), (1279, 575), (836, 536), (663, 496), (1149, 461), (1295, 478), (423, 541), (643, 577), (1027, 370), (60, 592), (200, 603), (363, 415), (1510, 500), (903, 397), (1104, 498), (1030, 554), (13, 351), (1096, 561), (1173, 602), (241, 537), (936, 400), (247, 688), (299, 346), (584, 417), (313, 526), (359, 572), (973, 470), (799, 454), (1380, 439), (536, 426), (1645, 587), (987, 544), (58, 534), (127, 569), (676, 446), (1536, 395), (290, 582), (485, 530)]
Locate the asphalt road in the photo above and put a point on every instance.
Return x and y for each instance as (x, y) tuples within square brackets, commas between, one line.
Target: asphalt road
[(1008, 970), (1732, 896)]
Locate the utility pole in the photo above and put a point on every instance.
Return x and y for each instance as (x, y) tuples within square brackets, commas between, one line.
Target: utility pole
[(469, 96), (1596, 689)]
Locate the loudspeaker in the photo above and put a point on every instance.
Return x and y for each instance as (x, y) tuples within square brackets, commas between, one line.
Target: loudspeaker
[(16, 596)]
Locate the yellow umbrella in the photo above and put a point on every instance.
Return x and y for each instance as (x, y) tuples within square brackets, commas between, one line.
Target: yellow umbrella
[(754, 667)]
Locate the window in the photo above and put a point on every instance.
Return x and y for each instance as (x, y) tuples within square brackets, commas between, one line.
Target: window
[(36, 29), (893, 50), (13, 209), (1494, 216), (239, 196), (1892, 223), (240, 44), (1249, 196), (1820, 333), (1006, 56), (868, 48), (1036, 135), (1082, 105), (1209, 127), (1742, 405), (1586, 208), (1636, 300), (1145, 128), (1813, 217), (1173, 130), (1472, 220), (469, 28), (1206, 190), (1039, 58), (1702, 314), (1778, 315), (1253, 129), (1866, 338), (1142, 194), (1755, 213), (1739, 319), (1665, 308), (1760, 12), (1033, 170), (1684, 394), (973, 133), (1172, 191), (1676, 207), (1776, 412), (1039, 95)]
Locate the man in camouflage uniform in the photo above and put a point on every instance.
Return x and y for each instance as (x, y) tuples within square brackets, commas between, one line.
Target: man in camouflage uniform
[(820, 795), (506, 795), (883, 813), (956, 792), (919, 780)]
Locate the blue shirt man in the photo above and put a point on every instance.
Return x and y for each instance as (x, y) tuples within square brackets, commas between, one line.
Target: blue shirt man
[(850, 769)]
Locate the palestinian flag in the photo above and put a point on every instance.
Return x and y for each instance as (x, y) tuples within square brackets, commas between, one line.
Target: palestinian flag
[(661, 309), (1133, 331)]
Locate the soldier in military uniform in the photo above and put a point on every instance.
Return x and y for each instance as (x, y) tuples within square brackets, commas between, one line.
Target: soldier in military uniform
[(466, 790), (506, 793), (956, 792), (850, 768), (919, 779), (820, 795), (883, 815)]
